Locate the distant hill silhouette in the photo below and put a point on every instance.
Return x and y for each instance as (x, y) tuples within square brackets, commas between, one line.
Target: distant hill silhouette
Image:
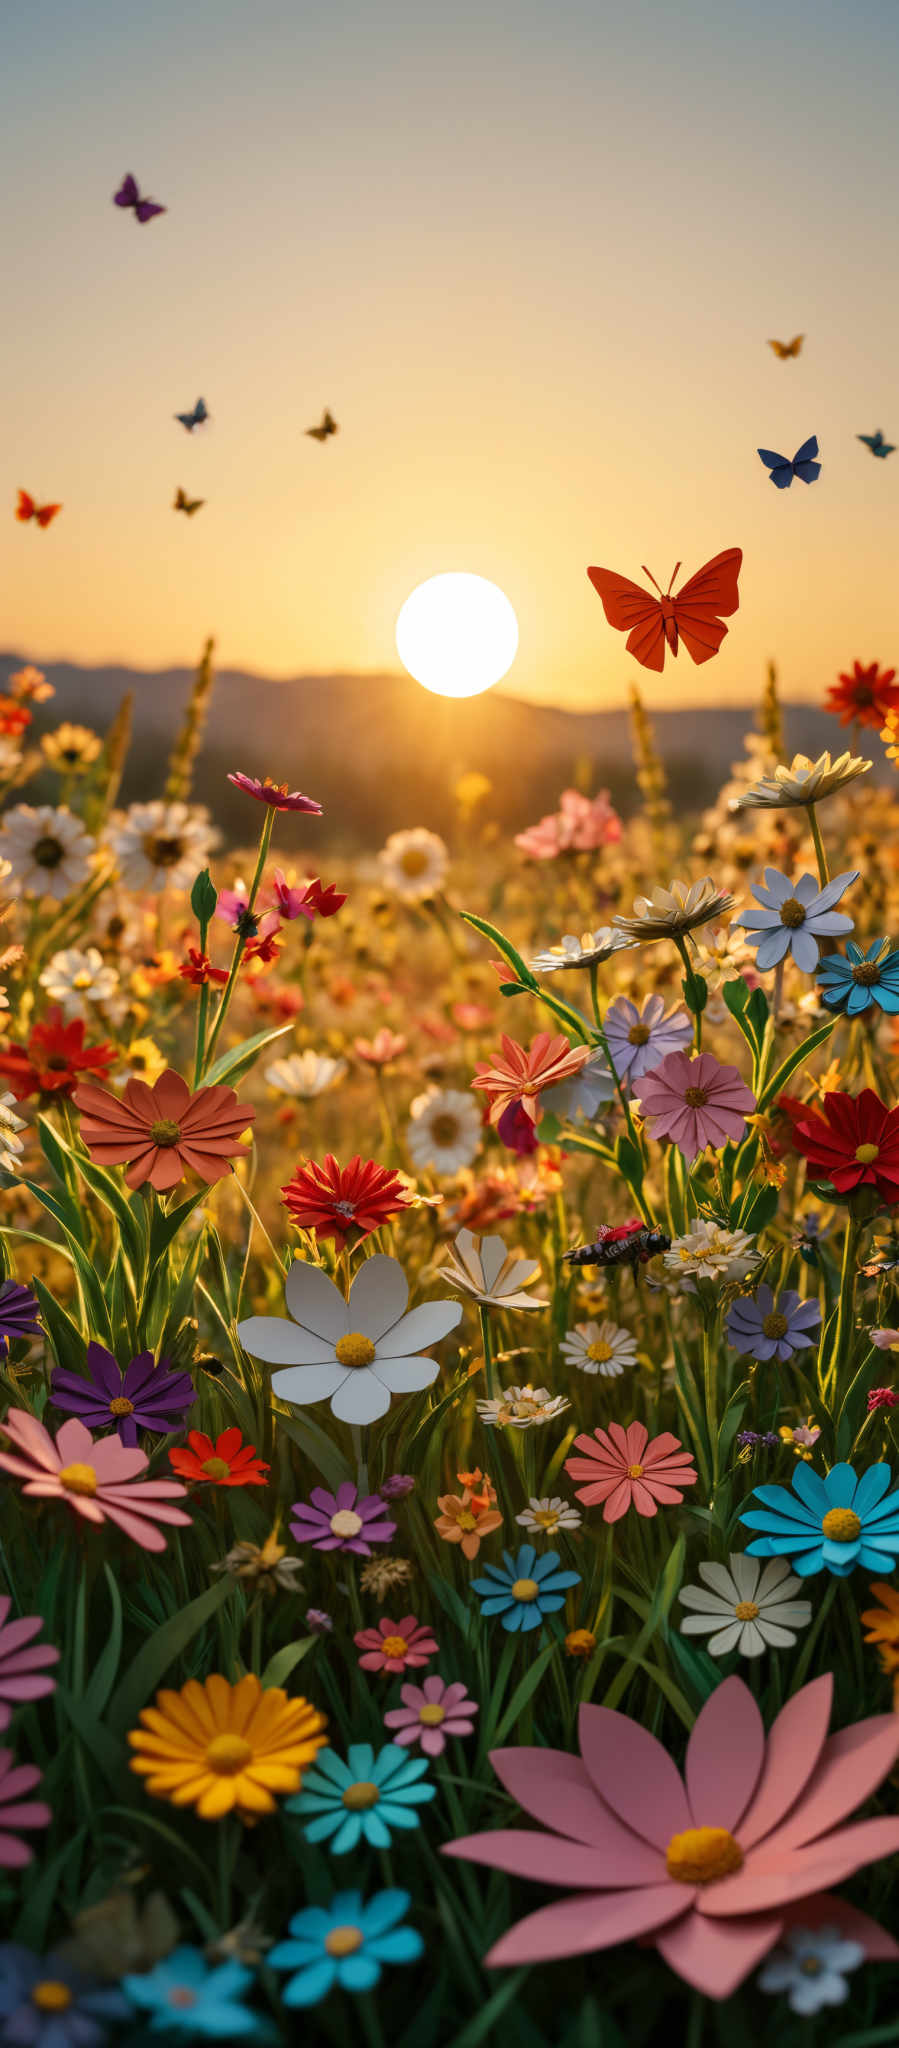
[(380, 753)]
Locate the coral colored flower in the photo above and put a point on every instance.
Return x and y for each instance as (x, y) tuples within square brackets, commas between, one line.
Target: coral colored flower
[(829, 1524), (464, 1520), (395, 1645), (344, 1943), (882, 1623), (223, 1748), (227, 1462), (53, 1058), (275, 794), (164, 1130), (19, 1314), (708, 1869), (864, 696), (338, 1201), (696, 1102), (853, 1143), (520, 1073), (18, 1812), (625, 1468), (144, 1396), (344, 1520), (198, 969), (22, 1676), (430, 1713), (386, 1045), (100, 1481)]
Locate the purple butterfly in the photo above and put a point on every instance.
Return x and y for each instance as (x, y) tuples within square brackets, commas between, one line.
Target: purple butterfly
[(128, 194)]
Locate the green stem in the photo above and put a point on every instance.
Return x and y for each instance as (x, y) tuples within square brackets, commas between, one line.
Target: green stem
[(681, 945), (637, 1192), (240, 942), (829, 1371), (815, 830), (359, 1455), (489, 1369)]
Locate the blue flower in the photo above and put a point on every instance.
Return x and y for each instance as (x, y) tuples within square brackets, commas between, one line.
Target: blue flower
[(184, 1996), (365, 1797), (764, 1328), (829, 1524), (46, 2003), (344, 1943), (526, 1589), (853, 982), (793, 917)]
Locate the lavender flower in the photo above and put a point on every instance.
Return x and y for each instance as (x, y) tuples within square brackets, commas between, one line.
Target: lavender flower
[(762, 1328), (145, 1396), (18, 1314), (344, 1520), (397, 1486), (639, 1039)]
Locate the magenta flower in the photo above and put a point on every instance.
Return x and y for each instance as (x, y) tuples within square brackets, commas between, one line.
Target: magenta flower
[(709, 1868), (695, 1102), (16, 1812), (275, 794), (397, 1486), (21, 1673), (144, 1396), (430, 1712), (344, 1520), (395, 1645), (100, 1481)]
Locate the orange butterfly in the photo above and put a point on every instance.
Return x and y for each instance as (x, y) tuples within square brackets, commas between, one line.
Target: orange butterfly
[(27, 509), (784, 349), (692, 616)]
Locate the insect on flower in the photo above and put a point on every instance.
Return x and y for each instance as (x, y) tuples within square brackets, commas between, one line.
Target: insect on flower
[(621, 1244)]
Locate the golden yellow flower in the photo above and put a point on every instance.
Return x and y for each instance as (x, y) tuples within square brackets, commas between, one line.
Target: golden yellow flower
[(71, 747), (226, 1748), (580, 1642), (144, 1059)]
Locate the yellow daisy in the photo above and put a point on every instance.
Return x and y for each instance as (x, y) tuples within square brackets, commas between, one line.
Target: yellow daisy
[(226, 1748)]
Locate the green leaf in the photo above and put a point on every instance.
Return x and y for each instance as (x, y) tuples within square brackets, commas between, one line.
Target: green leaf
[(34, 1919), (696, 993), (794, 1059), (280, 1666), (505, 947), (749, 1010), (152, 1662), (69, 1344), (698, 1670), (203, 897), (108, 1752), (323, 1453), (460, 1614), (103, 1675), (237, 1061), (523, 1691)]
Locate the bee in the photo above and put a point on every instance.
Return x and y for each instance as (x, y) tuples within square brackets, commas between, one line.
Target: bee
[(621, 1244)]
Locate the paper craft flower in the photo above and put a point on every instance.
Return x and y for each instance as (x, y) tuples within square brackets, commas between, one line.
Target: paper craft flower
[(804, 783), (345, 1520), (707, 1869), (144, 1396), (524, 1589), (695, 1102), (17, 1811), (356, 1353), (413, 864), (53, 1058), (465, 1520), (368, 1798), (344, 1943), (11, 1145), (578, 1100), (395, 1645), (19, 1314), (483, 1267), (830, 1524), (793, 917), (305, 1074), (222, 1748), (853, 1143), (226, 1462), (590, 950), (882, 1623), (275, 794), (600, 1348), (546, 1515), (863, 695), (581, 824), (669, 913), (521, 1408), (710, 1253), (764, 1328), (99, 1481), (430, 1713), (22, 1672), (183, 1995), (522, 1073), (741, 1606), (444, 1131), (163, 1131), (811, 1967), (639, 1039), (625, 1468), (856, 980), (45, 2002), (345, 1203)]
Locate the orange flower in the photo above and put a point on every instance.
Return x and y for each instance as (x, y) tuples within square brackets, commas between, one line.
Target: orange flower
[(380, 1050), (463, 1520), (227, 1462), (521, 1073), (482, 1489), (13, 717), (163, 1130), (882, 1624)]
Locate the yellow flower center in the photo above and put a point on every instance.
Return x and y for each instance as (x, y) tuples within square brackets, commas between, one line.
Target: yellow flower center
[(346, 1522), (599, 1353), (165, 1131), (700, 1855), (82, 980), (359, 1797), (746, 1610), (227, 1754), (792, 913), (120, 1406), (51, 1996), (696, 1098), (775, 1325), (546, 1518), (518, 1410), (430, 1715), (78, 1479), (866, 1154), (394, 1646), (216, 1468), (525, 1589), (638, 1034), (841, 1525), (635, 1471), (467, 1520), (354, 1349), (445, 1129), (343, 1941)]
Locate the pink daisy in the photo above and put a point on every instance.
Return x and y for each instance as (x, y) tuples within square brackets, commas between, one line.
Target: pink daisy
[(695, 1102), (275, 794), (627, 1470), (395, 1645), (99, 1480), (21, 1673), (16, 1812), (430, 1712)]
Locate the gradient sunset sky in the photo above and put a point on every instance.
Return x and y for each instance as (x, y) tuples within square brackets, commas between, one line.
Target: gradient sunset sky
[(528, 251)]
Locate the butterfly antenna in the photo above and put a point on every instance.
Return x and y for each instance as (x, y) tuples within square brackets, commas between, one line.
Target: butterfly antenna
[(673, 574), (648, 572)]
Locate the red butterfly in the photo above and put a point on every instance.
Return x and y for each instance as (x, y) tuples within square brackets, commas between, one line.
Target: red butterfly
[(27, 509), (692, 616)]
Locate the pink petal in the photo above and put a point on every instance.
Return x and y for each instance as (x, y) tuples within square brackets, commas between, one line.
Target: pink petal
[(662, 1446), (633, 1774), (17, 1632), (144, 1533), (548, 1859), (850, 1768), (619, 1500), (112, 1461), (594, 1920), (30, 1436), (716, 1958), (826, 1911), (75, 1443), (795, 1741), (556, 1789), (433, 1740), (725, 1754), (642, 1498), (14, 1855), (754, 1888)]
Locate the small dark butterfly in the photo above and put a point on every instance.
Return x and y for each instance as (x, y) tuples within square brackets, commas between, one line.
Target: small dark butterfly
[(803, 464), (185, 504), (328, 426), (877, 444), (129, 195), (622, 1244), (190, 420)]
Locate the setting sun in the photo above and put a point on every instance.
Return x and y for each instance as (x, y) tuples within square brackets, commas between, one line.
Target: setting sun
[(457, 634)]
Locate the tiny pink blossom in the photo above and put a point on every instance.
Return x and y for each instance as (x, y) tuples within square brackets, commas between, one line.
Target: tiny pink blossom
[(99, 1480), (695, 1102), (275, 794), (18, 1812), (430, 1712), (22, 1676), (395, 1645), (580, 825)]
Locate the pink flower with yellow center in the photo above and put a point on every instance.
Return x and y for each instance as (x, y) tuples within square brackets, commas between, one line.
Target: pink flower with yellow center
[(100, 1481), (625, 1468)]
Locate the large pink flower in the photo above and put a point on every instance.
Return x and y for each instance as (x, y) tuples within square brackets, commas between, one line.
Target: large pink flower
[(99, 1480), (695, 1102), (708, 1868), (22, 1672), (625, 1470)]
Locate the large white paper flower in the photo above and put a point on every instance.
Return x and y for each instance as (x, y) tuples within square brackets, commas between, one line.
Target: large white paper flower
[(354, 1353)]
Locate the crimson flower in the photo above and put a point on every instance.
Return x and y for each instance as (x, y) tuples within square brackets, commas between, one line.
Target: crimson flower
[(336, 1200), (198, 968), (306, 899), (53, 1058), (275, 794), (864, 695), (227, 1462), (853, 1144), (13, 718)]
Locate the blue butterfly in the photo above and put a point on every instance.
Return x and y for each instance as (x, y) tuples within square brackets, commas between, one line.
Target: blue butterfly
[(877, 444), (190, 420), (802, 465)]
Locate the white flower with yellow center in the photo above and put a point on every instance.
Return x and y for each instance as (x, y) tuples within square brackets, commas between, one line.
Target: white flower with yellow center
[(161, 845), (48, 850), (11, 1146), (305, 1074), (413, 864), (742, 1607), (445, 1130), (76, 979), (805, 782), (603, 1348), (668, 913), (482, 1266), (590, 950), (522, 1408), (547, 1516), (354, 1353), (710, 1252)]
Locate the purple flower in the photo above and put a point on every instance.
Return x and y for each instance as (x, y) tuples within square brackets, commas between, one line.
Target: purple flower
[(397, 1486), (145, 1396), (639, 1039), (78, 2015), (762, 1328), (342, 1520), (753, 1440), (18, 1314), (318, 1621)]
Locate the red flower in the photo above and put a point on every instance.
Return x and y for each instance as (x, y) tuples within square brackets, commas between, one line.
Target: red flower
[(198, 969), (227, 1462), (854, 1144), (53, 1059), (275, 794), (324, 898), (263, 948), (882, 1397), (334, 1201), (13, 718), (865, 695)]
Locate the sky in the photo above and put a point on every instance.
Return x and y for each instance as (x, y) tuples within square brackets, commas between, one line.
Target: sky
[(528, 251)]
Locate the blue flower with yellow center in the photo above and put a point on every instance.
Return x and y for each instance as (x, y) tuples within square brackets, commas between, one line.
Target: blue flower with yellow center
[(829, 1524), (185, 1995), (525, 1588), (368, 1797), (344, 1943)]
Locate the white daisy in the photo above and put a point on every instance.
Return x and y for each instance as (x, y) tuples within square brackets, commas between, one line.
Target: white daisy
[(483, 1267), (48, 850), (522, 1408), (305, 1074), (682, 907), (805, 782), (811, 1966), (604, 1347), (740, 1606), (548, 1515), (587, 951), (445, 1130), (413, 864), (10, 1143), (709, 1251), (354, 1353), (580, 1099), (161, 845), (75, 979)]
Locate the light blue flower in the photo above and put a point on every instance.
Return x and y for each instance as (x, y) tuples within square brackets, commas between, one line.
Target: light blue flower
[(344, 1943), (852, 982), (366, 1797), (793, 916), (182, 1995), (829, 1524), (525, 1589), (764, 1328)]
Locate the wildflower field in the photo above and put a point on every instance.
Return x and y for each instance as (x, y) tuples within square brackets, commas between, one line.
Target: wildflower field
[(450, 1477)]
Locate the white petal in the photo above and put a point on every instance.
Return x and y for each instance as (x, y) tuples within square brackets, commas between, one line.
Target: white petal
[(302, 1384), (422, 1326), (493, 1254), (315, 1302), (719, 1645), (775, 1574), (746, 1572), (718, 1576), (378, 1296), (793, 1614), (699, 1624), (406, 1375), (362, 1398), (705, 1602), (779, 1638), (280, 1342)]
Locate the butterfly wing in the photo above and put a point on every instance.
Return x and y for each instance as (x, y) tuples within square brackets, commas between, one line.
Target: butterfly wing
[(632, 610), (200, 412), (795, 345), (127, 194), (705, 598), (147, 209), (804, 465), (192, 505), (780, 466), (44, 513), (781, 348), (329, 423), (26, 507)]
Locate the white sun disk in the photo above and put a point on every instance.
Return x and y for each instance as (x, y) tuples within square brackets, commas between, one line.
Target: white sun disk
[(457, 634)]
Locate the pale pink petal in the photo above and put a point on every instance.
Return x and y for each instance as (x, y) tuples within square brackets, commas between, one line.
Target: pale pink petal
[(642, 1499), (826, 1911), (633, 1774), (111, 1461), (594, 1920), (756, 1888), (850, 1768), (725, 1754), (550, 1859), (556, 1789), (75, 1443), (716, 1958), (30, 1436), (795, 1741), (144, 1533)]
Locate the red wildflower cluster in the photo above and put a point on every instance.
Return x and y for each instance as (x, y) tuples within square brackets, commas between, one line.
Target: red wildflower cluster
[(343, 1202), (53, 1058), (854, 1144), (882, 1397), (198, 969), (306, 899), (864, 695), (13, 718)]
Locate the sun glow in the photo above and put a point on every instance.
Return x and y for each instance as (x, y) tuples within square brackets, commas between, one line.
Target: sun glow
[(457, 634)]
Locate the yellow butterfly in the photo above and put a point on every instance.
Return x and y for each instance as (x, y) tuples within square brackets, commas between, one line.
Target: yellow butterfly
[(328, 426), (783, 349), (183, 503)]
